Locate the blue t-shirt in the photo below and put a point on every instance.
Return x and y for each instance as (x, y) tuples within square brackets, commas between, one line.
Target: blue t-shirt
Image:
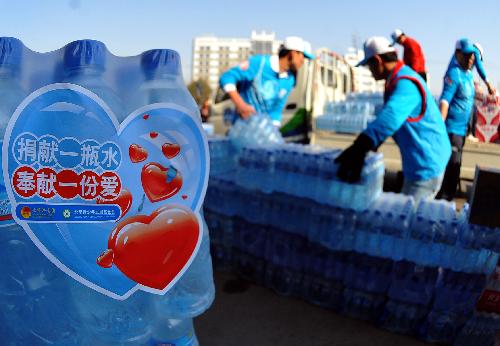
[(260, 84), (458, 91), (424, 144)]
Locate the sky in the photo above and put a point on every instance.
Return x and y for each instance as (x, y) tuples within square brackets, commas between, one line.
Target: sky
[(128, 27)]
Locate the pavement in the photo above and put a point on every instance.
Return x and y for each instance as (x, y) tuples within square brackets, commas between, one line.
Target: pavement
[(256, 316)]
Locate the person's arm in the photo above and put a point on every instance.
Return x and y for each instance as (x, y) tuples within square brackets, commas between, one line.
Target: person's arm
[(228, 81), (243, 108), (478, 62), (450, 84), (443, 108), (412, 53)]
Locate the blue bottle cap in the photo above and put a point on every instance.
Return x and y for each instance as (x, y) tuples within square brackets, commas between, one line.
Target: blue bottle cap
[(84, 53), (10, 51), (163, 61)]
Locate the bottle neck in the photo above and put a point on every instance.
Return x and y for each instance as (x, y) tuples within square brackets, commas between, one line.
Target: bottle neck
[(87, 72), (167, 77)]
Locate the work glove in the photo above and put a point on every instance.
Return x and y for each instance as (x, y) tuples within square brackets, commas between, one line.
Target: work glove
[(351, 160)]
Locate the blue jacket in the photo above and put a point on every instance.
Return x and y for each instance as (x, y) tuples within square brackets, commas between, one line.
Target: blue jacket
[(458, 91), (421, 136), (260, 84)]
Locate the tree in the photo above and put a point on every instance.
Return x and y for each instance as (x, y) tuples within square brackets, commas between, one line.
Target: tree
[(200, 90)]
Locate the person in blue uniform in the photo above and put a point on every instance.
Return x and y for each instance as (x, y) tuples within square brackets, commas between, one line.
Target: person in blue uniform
[(262, 84), (456, 106), (411, 116)]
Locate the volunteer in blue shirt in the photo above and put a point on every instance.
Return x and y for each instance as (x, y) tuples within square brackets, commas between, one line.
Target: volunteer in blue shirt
[(411, 116), (456, 105), (263, 83)]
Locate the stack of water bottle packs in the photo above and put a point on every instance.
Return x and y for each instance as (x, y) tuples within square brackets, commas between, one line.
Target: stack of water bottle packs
[(308, 172), (278, 219), (39, 303), (352, 115)]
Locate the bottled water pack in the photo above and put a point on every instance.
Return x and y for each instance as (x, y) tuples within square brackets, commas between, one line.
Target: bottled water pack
[(256, 130), (42, 304), (352, 115)]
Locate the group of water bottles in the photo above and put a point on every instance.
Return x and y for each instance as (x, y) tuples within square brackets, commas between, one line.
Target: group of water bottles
[(413, 269), (256, 130), (352, 115), (308, 172), (39, 304)]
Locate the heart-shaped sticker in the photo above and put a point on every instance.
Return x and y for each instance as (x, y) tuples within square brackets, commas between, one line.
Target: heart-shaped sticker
[(160, 183), (152, 250), (170, 150), (68, 208), (137, 153)]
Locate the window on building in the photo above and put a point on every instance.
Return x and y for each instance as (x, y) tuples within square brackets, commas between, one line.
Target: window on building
[(331, 82)]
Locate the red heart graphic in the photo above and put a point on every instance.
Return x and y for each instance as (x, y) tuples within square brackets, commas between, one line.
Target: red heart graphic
[(160, 183), (152, 250), (137, 153), (124, 200), (153, 134), (170, 150)]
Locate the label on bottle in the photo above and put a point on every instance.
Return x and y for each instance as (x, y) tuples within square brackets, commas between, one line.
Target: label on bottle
[(105, 202)]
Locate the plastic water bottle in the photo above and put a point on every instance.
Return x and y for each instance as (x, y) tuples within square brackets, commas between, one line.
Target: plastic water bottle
[(412, 283), (35, 307), (454, 302), (33, 291), (221, 239), (104, 319), (410, 291), (11, 95), (285, 254), (471, 256), (401, 317), (173, 332), (479, 330), (256, 130), (163, 82), (195, 291), (84, 65), (109, 322), (366, 280)]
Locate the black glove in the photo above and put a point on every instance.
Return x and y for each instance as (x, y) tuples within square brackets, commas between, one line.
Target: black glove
[(352, 159)]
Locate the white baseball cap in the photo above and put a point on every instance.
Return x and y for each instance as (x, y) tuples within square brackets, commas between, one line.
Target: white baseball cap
[(376, 45), (298, 44), (395, 35)]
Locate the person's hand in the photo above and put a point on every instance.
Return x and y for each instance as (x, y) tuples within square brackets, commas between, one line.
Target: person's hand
[(245, 110), (491, 89), (351, 160)]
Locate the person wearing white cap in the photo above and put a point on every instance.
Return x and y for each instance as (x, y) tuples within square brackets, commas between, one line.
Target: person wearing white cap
[(411, 116), (456, 105), (263, 83), (413, 55)]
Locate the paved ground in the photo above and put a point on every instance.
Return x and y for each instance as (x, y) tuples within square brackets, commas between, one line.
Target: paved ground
[(259, 317)]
